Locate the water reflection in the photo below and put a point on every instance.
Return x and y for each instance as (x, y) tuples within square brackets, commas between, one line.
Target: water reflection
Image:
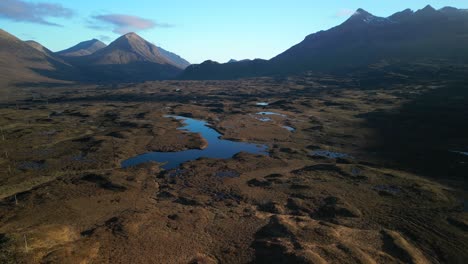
[(217, 148)]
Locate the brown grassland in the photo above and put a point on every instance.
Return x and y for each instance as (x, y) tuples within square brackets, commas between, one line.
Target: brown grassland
[(399, 196)]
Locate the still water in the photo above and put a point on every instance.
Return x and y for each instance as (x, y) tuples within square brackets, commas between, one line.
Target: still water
[(217, 147)]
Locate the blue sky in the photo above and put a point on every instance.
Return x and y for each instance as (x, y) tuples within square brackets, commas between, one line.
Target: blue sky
[(195, 29)]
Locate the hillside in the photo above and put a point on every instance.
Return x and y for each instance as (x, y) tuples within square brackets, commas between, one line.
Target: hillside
[(129, 58), (22, 63), (83, 48), (360, 41)]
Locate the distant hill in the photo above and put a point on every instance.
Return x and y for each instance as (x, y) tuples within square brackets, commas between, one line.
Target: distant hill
[(176, 59), (38, 46), (234, 60), (363, 39), (23, 62), (91, 46), (83, 48), (212, 70), (127, 49), (129, 58)]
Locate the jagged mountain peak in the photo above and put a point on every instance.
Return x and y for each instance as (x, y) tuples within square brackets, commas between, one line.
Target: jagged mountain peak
[(402, 15), (363, 39), (428, 8), (361, 16)]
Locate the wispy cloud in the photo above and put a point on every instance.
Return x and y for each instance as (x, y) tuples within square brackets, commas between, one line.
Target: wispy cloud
[(104, 38), (18, 10), (344, 12), (122, 24)]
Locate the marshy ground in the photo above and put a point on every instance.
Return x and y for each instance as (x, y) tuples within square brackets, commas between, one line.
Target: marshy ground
[(395, 194)]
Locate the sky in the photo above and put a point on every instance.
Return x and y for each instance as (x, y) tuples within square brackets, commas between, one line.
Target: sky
[(197, 30)]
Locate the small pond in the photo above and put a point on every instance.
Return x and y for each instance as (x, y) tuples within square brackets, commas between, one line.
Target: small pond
[(271, 113), (329, 154), (217, 147)]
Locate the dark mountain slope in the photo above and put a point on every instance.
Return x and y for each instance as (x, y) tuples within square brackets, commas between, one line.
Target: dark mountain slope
[(363, 39), (231, 70), (176, 59)]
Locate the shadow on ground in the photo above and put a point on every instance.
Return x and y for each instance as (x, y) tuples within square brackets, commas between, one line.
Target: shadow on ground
[(424, 133)]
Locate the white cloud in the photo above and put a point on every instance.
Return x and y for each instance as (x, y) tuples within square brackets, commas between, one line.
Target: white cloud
[(18, 10), (122, 24)]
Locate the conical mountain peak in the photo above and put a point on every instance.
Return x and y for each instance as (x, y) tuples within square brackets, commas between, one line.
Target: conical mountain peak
[(131, 48), (132, 36), (132, 42), (129, 34), (83, 48), (428, 10)]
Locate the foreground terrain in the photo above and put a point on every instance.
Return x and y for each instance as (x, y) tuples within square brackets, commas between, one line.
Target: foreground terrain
[(372, 173)]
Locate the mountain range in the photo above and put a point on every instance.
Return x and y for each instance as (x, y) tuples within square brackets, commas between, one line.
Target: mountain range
[(360, 41), (129, 58)]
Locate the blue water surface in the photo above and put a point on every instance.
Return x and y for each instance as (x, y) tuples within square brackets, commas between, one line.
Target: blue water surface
[(217, 147)]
